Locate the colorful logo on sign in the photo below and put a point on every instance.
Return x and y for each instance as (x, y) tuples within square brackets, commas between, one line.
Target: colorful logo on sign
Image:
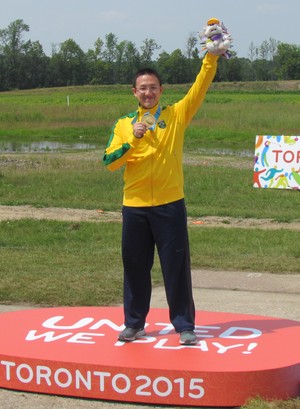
[(277, 162)]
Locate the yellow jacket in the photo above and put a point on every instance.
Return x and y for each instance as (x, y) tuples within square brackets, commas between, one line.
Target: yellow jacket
[(153, 164)]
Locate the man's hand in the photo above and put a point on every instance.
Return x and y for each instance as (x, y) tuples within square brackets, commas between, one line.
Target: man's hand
[(139, 129)]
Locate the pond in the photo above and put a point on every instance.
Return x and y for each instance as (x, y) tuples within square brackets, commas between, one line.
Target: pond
[(37, 147)]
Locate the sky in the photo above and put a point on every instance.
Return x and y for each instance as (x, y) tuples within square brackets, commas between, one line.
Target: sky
[(169, 22)]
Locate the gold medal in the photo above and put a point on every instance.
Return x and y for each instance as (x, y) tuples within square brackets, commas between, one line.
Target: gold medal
[(149, 120)]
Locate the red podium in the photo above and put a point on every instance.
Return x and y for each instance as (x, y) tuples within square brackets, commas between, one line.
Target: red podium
[(75, 352)]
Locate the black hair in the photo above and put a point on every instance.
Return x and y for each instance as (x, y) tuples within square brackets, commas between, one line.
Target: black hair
[(146, 71)]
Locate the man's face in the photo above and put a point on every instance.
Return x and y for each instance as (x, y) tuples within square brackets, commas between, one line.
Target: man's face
[(147, 90)]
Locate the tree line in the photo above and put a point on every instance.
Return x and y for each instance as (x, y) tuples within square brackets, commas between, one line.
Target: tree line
[(24, 64)]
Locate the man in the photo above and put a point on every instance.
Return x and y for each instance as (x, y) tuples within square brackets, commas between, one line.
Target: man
[(149, 142)]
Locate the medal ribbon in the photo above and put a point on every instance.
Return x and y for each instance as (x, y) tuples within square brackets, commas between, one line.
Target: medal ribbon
[(156, 116)]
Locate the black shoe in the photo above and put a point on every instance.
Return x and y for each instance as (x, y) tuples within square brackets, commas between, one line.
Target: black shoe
[(130, 334), (188, 338)]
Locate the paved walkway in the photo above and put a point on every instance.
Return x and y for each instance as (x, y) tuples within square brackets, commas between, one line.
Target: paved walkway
[(275, 295)]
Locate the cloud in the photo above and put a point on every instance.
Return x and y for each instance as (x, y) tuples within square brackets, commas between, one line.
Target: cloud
[(113, 16), (271, 7)]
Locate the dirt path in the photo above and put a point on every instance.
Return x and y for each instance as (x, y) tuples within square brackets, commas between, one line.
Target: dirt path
[(81, 215)]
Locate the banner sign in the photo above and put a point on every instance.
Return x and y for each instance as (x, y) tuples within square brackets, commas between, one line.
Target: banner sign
[(75, 351), (277, 162)]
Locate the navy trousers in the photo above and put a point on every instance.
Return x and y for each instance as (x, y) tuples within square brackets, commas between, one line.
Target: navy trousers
[(165, 227)]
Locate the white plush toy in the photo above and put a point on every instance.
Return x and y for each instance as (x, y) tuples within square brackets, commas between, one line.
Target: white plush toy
[(215, 38)]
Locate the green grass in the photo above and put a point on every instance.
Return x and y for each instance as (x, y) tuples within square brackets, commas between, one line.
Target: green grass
[(245, 249), (222, 187), (61, 263), (57, 263), (261, 404), (60, 181), (228, 191), (230, 117)]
